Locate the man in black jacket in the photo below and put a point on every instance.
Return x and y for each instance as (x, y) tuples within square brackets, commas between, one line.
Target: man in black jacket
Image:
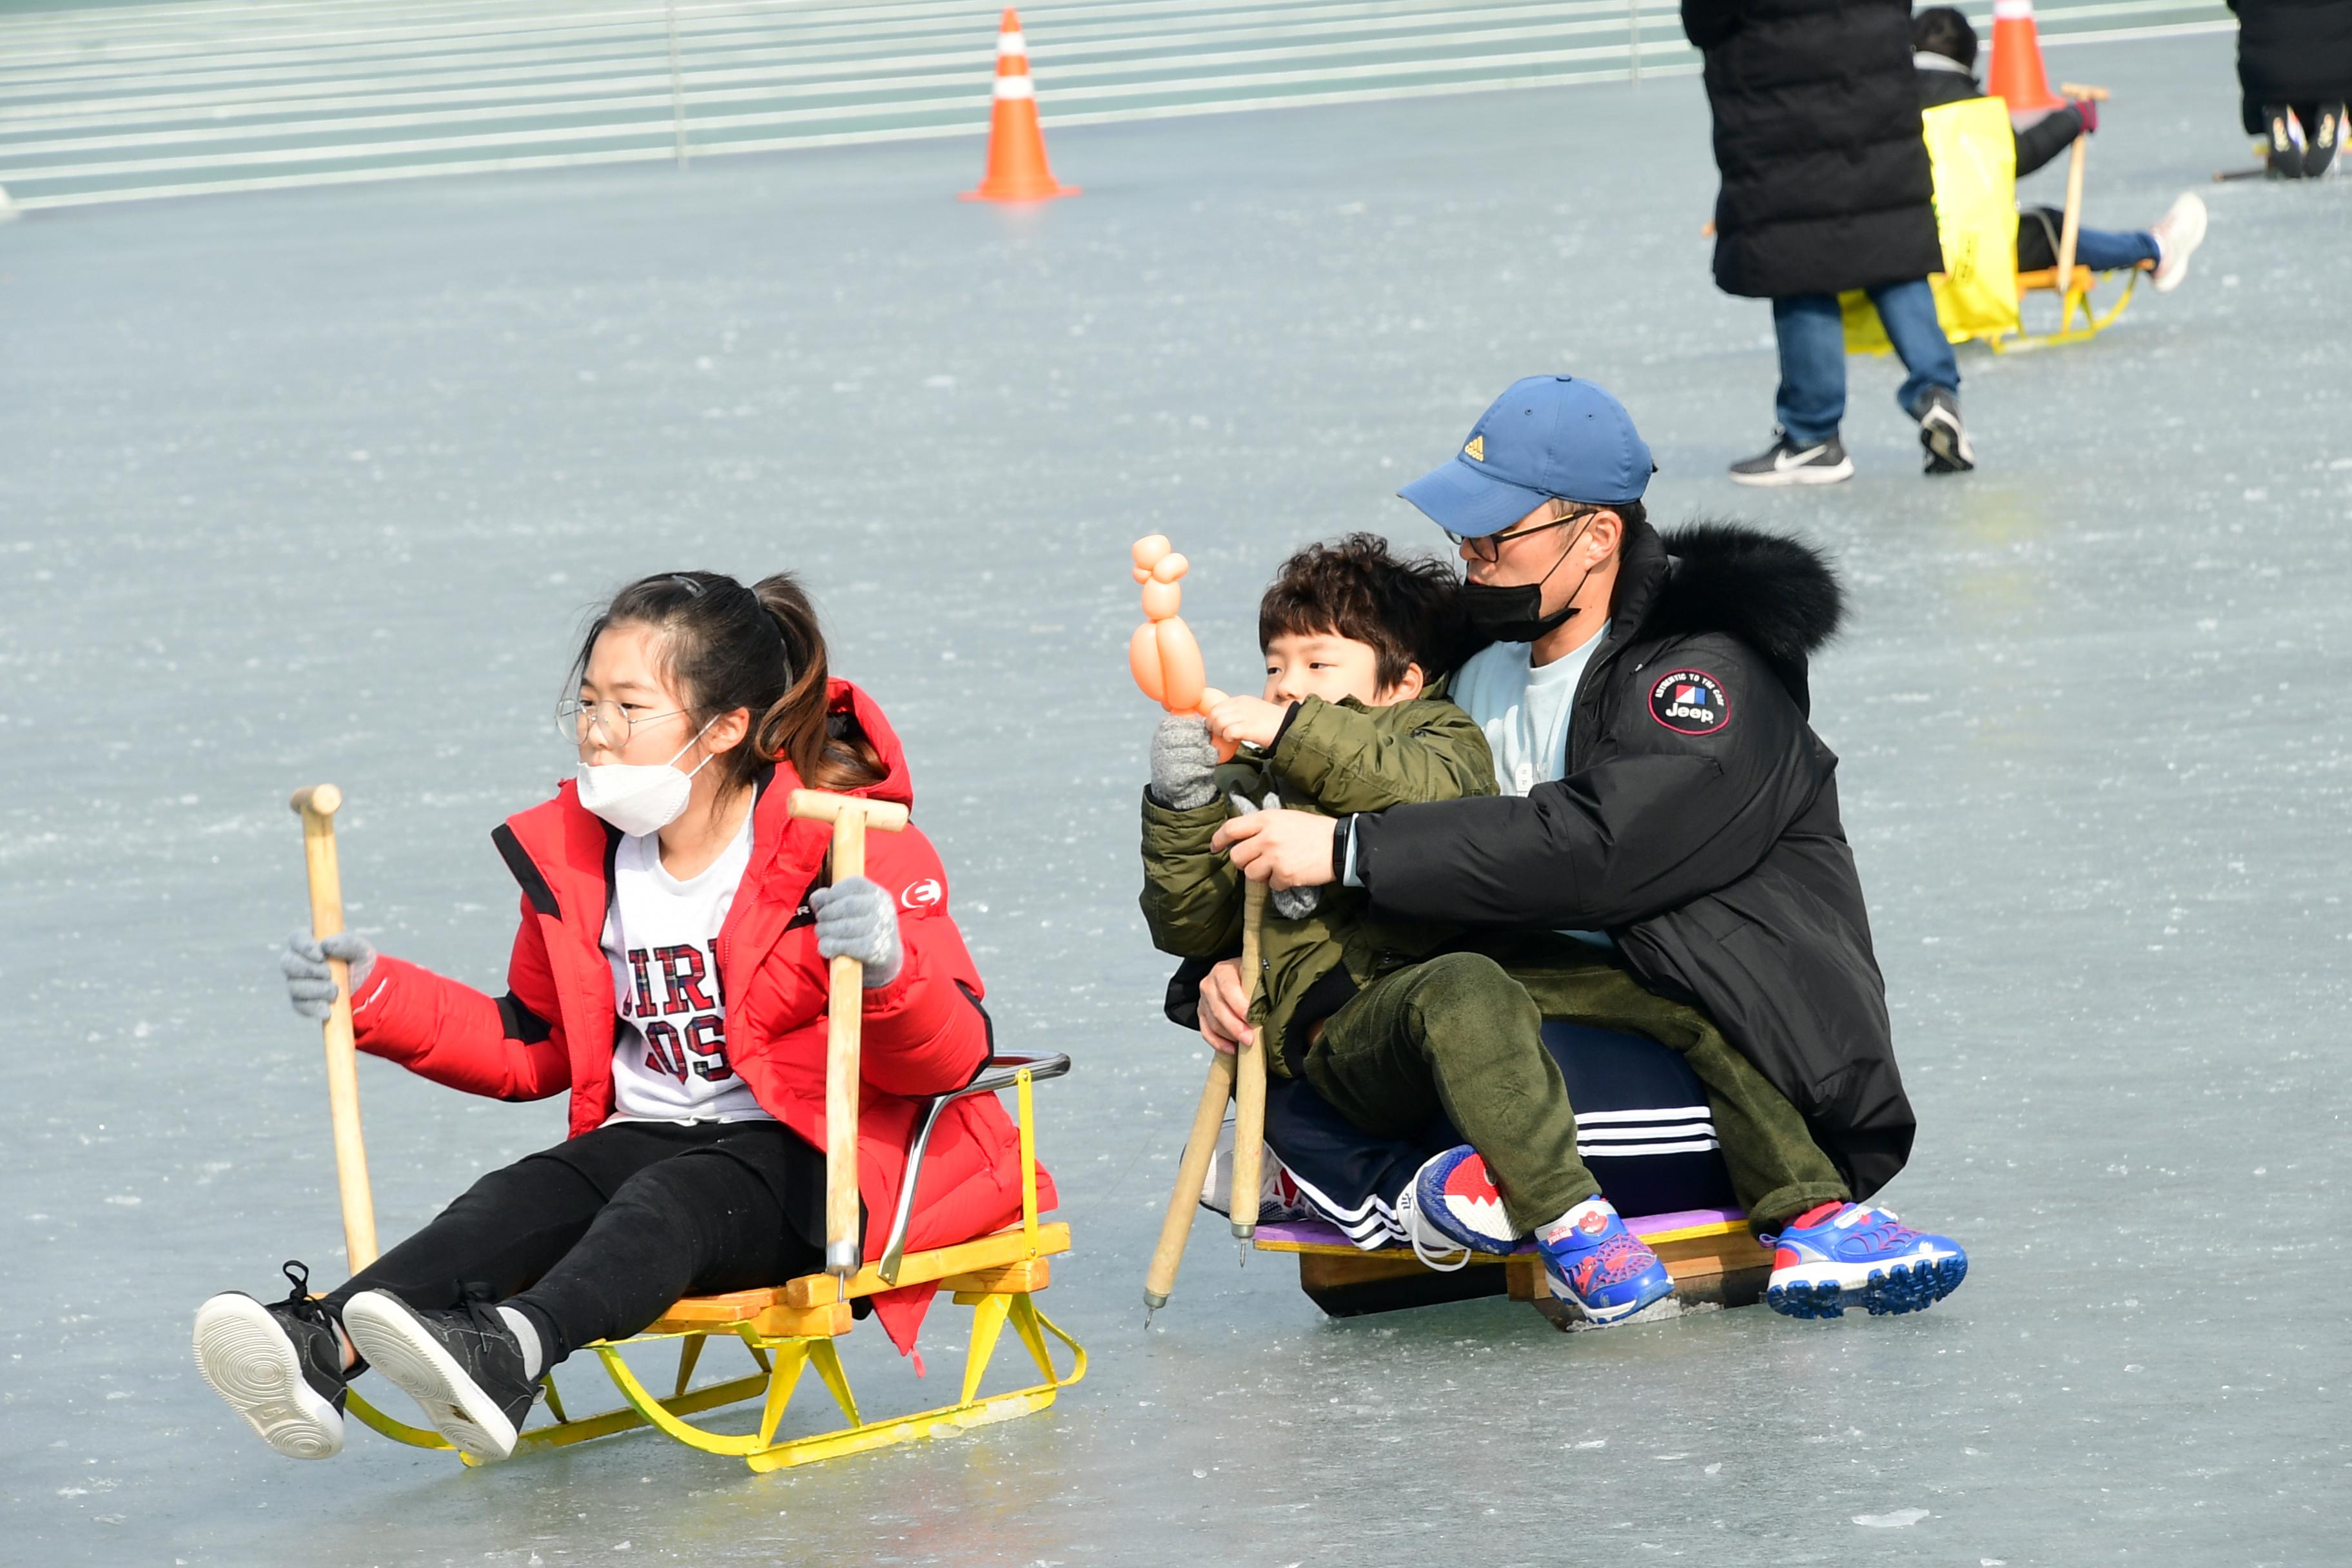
[(1826, 188), (1668, 801)]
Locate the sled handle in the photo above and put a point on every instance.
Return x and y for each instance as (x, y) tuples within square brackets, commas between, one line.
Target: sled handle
[(845, 1008), (2071, 227), (317, 806)]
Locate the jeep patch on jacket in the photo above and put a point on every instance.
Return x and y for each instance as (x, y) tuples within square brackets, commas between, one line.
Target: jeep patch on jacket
[(1690, 702)]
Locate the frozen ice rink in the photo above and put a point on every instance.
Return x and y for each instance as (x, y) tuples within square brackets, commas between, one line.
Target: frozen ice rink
[(317, 485)]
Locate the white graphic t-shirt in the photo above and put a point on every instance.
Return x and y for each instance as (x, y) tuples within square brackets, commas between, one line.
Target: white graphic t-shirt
[(669, 1063), (1526, 712)]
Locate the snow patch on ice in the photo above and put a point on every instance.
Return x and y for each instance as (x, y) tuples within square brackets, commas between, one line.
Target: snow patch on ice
[(1901, 1519)]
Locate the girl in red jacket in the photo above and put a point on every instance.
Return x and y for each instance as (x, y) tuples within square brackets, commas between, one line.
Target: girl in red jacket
[(670, 973)]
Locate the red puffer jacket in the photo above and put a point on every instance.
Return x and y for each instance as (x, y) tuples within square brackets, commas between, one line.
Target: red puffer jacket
[(924, 1033)]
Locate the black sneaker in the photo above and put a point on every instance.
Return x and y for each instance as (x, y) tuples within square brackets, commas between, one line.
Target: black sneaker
[(464, 1366), (280, 1367), (2285, 147), (1944, 436), (2321, 141), (1786, 463)]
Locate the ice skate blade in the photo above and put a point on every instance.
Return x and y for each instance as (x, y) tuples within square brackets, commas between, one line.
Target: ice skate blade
[(244, 1357)]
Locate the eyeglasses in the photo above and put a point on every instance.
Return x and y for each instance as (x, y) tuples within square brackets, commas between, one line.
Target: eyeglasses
[(611, 722), (1489, 547)]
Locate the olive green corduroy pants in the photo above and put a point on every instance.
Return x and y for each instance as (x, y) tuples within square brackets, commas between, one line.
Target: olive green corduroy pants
[(1462, 1033)]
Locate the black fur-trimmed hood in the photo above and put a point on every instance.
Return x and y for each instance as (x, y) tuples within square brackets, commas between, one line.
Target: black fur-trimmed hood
[(1777, 595)]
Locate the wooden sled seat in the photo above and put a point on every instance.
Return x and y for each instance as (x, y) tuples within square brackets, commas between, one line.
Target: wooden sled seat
[(790, 1327), (1710, 1253)]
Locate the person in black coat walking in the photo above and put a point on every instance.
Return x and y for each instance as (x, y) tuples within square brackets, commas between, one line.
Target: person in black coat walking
[(2294, 59), (1826, 188)]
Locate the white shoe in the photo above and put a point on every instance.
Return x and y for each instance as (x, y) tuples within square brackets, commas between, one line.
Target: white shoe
[(279, 1369), (2178, 234)]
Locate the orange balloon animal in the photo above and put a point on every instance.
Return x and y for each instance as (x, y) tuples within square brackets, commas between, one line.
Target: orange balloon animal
[(1163, 654)]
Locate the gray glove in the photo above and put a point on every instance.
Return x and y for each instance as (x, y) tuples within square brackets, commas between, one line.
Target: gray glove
[(1183, 762), (856, 919), (309, 984), (1290, 903)]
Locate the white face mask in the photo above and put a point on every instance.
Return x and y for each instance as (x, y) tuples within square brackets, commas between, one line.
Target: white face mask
[(639, 798)]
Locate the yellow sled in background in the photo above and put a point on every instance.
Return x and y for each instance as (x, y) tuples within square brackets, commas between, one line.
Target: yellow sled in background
[(1981, 294)]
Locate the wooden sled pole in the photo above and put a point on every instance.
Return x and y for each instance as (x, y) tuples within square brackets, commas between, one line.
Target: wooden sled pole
[(845, 1010), (2071, 229), (1249, 1083), (1177, 1224), (317, 806)]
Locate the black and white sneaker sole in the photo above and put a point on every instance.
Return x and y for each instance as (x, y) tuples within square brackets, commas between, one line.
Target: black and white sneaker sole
[(1802, 474), (1946, 447), (392, 1340), (245, 1358)]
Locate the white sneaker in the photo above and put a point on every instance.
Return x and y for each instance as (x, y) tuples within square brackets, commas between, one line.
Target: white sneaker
[(2178, 234)]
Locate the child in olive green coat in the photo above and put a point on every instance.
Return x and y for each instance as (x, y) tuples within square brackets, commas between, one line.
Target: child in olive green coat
[(1357, 644)]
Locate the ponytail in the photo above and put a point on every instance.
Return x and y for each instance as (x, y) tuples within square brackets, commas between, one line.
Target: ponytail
[(797, 726), (760, 648)]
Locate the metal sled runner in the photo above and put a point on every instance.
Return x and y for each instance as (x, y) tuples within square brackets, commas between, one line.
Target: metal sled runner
[(791, 1328)]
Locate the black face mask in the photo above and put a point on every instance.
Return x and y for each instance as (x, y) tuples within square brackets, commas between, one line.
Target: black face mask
[(1515, 614)]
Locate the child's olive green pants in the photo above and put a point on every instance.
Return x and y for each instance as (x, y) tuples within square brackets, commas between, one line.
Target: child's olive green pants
[(1462, 1033)]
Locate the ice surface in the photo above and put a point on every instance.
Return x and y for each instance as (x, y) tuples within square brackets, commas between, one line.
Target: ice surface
[(316, 486)]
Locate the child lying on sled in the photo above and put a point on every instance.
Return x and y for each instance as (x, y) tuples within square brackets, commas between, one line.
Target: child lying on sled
[(1353, 720)]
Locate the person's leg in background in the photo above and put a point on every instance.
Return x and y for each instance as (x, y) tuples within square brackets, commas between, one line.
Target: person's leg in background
[(1931, 393), (1811, 402)]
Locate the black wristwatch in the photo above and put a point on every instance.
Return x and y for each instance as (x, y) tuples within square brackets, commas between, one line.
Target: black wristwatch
[(1343, 840)]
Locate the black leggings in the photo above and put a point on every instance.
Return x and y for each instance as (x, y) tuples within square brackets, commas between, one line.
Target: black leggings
[(594, 1238)]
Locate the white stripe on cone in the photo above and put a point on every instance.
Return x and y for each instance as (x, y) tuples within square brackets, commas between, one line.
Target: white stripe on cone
[(1015, 87), (1012, 44), (2012, 10)]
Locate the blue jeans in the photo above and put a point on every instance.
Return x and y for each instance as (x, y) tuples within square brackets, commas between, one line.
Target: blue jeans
[(2106, 250), (1811, 399)]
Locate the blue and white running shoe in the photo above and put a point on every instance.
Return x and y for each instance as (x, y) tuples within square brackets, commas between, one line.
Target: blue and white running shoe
[(1452, 1207), (1600, 1268), (1861, 1255)]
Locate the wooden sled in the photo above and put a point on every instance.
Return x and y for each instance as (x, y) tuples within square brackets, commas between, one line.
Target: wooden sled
[(1714, 1259), (791, 1328)]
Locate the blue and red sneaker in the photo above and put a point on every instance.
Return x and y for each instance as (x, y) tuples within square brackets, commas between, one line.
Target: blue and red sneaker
[(1842, 1255), (1592, 1262), (1452, 1205)]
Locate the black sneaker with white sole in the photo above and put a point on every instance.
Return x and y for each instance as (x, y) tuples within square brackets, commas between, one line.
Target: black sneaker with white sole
[(1789, 462), (280, 1366), (1943, 436), (464, 1366)]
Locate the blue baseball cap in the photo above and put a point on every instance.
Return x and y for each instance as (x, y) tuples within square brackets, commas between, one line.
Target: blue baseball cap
[(1548, 436)]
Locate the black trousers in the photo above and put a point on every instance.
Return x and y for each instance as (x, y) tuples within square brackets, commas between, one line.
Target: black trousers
[(594, 1238)]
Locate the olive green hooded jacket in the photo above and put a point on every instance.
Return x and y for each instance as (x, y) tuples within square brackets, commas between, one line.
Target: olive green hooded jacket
[(1331, 759)]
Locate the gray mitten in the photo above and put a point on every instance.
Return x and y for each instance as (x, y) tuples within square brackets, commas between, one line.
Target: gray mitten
[(1183, 762), (856, 919), (1290, 903), (309, 984)]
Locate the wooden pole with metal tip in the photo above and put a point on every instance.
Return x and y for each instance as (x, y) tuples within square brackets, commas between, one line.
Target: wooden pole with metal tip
[(845, 1009), (1160, 1282), (2071, 228), (317, 806), (1249, 1082)]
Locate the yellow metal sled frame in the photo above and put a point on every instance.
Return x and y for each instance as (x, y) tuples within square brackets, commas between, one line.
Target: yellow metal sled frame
[(2074, 304), (791, 1328)]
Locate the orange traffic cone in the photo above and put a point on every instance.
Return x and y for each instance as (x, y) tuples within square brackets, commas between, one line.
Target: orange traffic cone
[(2016, 75), (1017, 171)]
